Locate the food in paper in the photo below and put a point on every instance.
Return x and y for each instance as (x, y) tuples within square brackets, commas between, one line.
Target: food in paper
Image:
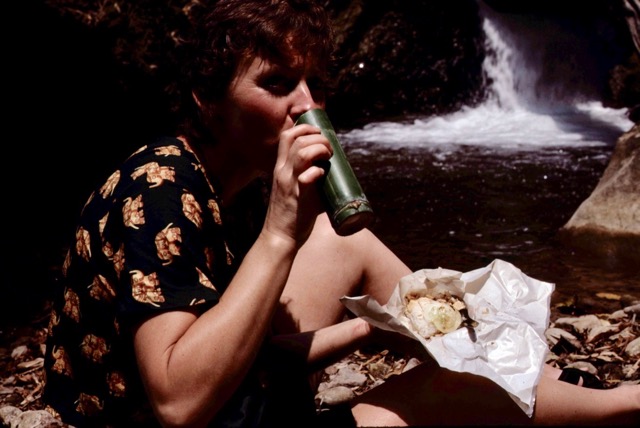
[(429, 316), (504, 316)]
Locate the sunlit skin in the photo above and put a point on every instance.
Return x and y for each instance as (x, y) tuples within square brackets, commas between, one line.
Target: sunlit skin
[(290, 282), (188, 371), (263, 101)]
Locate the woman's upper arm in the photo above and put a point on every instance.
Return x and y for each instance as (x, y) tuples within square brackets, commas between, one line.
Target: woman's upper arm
[(153, 340)]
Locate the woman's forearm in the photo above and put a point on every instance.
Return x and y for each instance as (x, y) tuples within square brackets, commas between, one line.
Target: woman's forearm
[(199, 362), (324, 346)]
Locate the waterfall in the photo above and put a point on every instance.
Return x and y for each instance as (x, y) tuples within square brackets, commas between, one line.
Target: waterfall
[(498, 67), (541, 92)]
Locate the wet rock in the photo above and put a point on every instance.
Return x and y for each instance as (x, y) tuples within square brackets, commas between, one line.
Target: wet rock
[(606, 223)]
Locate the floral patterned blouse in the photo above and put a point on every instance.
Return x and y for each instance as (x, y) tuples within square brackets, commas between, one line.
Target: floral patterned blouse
[(152, 238)]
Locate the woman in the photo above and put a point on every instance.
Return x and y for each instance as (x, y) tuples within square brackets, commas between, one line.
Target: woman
[(194, 296)]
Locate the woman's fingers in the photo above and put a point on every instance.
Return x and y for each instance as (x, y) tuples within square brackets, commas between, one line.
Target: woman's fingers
[(308, 152), (301, 151), (295, 200), (310, 175)]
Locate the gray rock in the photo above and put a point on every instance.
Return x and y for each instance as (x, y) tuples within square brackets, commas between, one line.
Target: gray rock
[(580, 324), (633, 348), (413, 362), (583, 365), (19, 351), (633, 309), (601, 332), (335, 395), (13, 417), (608, 221), (554, 335), (349, 376), (7, 414)]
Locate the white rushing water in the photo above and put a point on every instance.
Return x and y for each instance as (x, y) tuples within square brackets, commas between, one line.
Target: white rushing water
[(521, 111)]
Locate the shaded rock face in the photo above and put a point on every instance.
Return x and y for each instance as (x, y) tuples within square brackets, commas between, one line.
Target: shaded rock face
[(424, 57), (397, 58), (608, 222)]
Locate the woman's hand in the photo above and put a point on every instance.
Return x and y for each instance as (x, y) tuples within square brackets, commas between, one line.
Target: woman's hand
[(324, 346), (295, 201)]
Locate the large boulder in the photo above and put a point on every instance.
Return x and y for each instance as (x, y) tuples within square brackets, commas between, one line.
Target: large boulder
[(607, 223)]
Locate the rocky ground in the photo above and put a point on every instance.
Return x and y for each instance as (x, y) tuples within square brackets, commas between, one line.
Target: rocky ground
[(601, 335)]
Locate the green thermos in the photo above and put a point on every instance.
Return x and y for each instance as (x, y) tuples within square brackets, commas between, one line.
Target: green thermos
[(346, 203)]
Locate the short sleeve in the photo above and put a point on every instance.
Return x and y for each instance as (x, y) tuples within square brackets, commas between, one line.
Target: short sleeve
[(168, 228)]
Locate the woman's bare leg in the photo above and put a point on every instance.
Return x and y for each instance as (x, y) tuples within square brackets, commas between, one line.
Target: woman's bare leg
[(329, 267), (562, 403), (430, 395)]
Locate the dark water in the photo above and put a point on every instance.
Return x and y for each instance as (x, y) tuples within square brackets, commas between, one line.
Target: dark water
[(461, 208)]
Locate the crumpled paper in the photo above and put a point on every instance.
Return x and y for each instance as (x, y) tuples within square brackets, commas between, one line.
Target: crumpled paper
[(512, 313)]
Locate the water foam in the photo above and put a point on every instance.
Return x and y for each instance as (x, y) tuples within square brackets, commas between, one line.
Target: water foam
[(519, 112)]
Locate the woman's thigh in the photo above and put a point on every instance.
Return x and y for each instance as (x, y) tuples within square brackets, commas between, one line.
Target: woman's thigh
[(329, 267), (324, 270), (431, 395)]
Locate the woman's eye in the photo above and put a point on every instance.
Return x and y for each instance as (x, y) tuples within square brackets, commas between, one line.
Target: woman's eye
[(279, 85), (282, 85)]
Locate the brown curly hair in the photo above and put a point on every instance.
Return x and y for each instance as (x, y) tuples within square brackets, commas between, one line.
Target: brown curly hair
[(229, 32)]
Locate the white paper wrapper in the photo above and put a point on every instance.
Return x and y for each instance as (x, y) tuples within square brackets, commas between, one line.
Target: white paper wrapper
[(512, 312)]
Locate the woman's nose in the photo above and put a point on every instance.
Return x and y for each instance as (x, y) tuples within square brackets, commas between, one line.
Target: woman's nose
[(304, 100)]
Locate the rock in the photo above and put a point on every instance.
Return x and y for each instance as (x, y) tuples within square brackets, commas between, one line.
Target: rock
[(335, 395), (15, 418), (582, 365), (626, 335), (558, 335), (19, 351), (633, 348), (413, 362), (349, 376), (8, 413), (606, 223), (38, 418), (633, 309), (580, 324), (620, 314), (601, 332)]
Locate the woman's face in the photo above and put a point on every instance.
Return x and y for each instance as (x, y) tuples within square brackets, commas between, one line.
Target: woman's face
[(264, 99)]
